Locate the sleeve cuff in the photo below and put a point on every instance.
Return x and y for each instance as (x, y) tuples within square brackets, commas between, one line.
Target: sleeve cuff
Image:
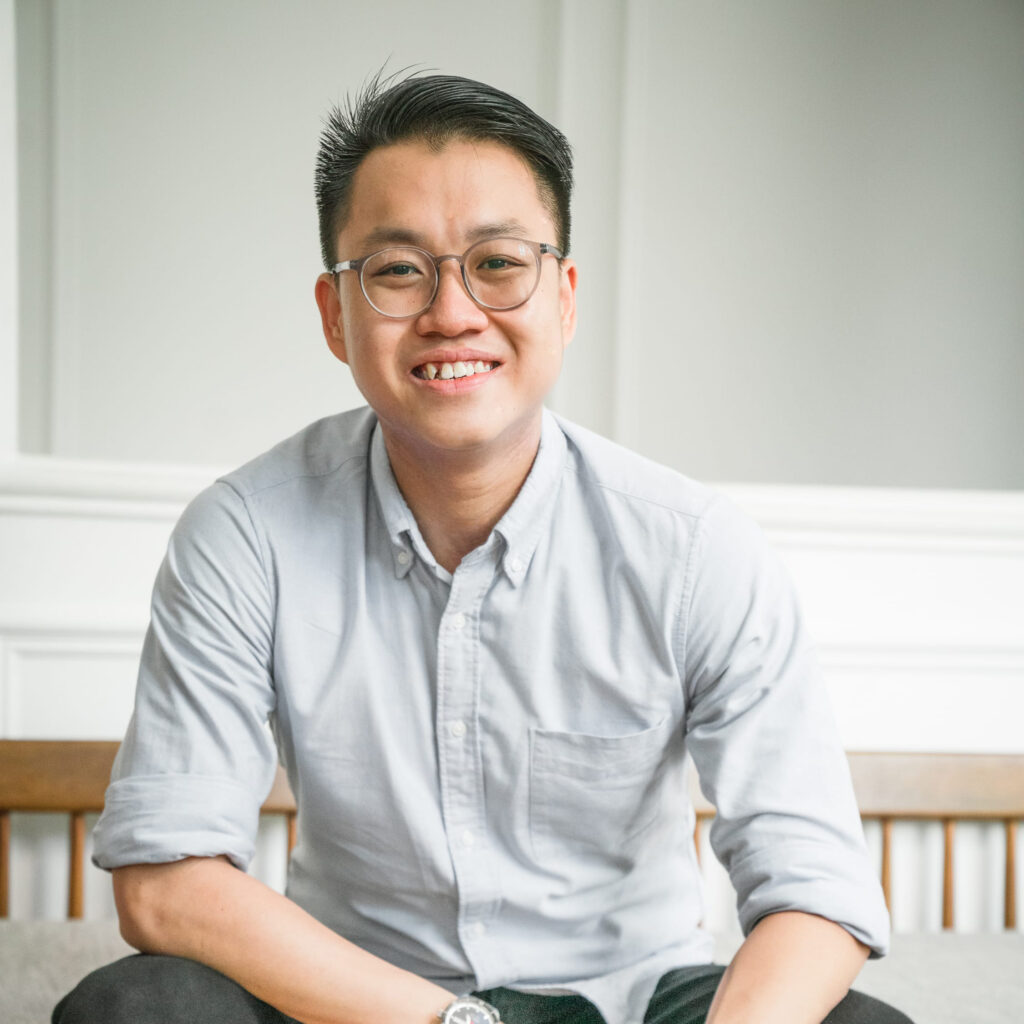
[(817, 880), (156, 819)]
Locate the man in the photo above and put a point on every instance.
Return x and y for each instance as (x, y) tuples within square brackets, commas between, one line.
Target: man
[(484, 639)]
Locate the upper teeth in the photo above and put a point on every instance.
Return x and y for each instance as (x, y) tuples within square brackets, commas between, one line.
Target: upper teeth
[(446, 371)]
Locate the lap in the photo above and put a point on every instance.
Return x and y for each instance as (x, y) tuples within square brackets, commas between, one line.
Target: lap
[(683, 996), (147, 989)]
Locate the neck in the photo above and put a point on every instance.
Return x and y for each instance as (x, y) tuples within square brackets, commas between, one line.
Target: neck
[(458, 497)]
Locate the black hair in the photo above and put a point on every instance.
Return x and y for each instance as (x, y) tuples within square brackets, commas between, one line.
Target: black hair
[(435, 109)]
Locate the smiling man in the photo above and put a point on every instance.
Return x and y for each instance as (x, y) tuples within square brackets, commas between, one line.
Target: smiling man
[(453, 353), (484, 640)]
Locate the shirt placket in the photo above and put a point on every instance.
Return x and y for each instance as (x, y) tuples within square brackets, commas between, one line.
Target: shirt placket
[(461, 762)]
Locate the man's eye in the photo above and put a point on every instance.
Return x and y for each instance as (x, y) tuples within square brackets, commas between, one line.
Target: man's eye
[(493, 263), (397, 270)]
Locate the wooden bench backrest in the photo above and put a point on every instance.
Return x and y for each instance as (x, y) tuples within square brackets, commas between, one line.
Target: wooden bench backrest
[(933, 787), (72, 776)]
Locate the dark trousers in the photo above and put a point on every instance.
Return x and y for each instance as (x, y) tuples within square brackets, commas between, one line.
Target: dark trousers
[(168, 990)]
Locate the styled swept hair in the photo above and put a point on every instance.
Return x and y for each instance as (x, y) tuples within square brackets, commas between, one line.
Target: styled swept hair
[(435, 109)]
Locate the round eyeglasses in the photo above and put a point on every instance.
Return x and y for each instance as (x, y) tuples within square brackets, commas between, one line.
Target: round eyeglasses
[(402, 281)]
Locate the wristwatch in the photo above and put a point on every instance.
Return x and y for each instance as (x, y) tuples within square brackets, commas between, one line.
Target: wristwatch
[(469, 1010)]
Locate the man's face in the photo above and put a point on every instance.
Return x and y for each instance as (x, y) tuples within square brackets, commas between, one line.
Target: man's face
[(444, 201)]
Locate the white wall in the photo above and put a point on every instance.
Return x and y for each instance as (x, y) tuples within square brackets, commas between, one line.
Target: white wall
[(833, 189)]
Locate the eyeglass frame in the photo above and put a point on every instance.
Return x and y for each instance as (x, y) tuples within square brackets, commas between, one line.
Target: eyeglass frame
[(539, 249)]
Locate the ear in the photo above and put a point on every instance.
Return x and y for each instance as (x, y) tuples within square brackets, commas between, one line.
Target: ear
[(567, 299), (329, 304)]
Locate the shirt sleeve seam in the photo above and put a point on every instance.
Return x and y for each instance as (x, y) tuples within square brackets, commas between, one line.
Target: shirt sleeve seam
[(630, 495), (235, 479), (261, 547), (686, 596)]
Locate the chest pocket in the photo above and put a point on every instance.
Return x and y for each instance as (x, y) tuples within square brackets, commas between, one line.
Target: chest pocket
[(598, 798)]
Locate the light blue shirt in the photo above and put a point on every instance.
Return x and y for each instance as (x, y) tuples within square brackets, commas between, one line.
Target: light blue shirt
[(489, 764)]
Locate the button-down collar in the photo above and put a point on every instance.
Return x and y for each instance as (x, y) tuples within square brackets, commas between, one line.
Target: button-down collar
[(521, 527)]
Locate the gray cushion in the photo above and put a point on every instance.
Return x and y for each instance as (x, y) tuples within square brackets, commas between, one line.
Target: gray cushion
[(951, 979), (40, 961)]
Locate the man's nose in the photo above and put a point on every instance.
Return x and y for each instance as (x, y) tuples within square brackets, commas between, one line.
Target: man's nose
[(453, 310)]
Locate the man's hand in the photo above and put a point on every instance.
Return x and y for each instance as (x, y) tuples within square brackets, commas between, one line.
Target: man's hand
[(792, 969), (207, 910)]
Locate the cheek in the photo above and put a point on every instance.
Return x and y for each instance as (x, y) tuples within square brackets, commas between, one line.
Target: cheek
[(370, 344), (543, 318)]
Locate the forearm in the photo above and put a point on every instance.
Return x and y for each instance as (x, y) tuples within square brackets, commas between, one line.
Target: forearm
[(207, 910), (792, 969)]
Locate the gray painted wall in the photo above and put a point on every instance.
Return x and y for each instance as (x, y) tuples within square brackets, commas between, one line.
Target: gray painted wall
[(800, 224)]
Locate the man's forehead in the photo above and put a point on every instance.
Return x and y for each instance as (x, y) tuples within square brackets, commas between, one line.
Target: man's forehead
[(403, 191), (397, 235)]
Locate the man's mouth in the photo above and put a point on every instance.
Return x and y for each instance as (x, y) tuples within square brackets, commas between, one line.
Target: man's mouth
[(450, 371)]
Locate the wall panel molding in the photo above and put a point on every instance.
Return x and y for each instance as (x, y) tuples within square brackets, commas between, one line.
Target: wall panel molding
[(970, 521), (914, 597), (936, 697), (8, 233), (591, 76), (841, 516), (44, 485), (67, 683)]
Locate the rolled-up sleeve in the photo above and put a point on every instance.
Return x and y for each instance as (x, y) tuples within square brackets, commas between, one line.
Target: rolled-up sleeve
[(198, 758), (764, 741)]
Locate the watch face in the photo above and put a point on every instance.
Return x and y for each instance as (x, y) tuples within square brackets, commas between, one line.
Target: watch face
[(469, 1010), (469, 1015)]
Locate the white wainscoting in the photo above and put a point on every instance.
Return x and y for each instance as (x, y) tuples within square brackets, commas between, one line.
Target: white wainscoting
[(916, 599)]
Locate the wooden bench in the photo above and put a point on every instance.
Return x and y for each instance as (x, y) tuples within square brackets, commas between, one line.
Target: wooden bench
[(71, 777), (934, 787)]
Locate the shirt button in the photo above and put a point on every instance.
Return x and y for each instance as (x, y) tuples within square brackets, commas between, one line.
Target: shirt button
[(478, 929), (404, 558), (515, 565), (458, 729), (467, 839), (458, 620)]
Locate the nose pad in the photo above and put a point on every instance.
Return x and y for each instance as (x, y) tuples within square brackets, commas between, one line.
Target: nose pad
[(453, 272), (453, 307)]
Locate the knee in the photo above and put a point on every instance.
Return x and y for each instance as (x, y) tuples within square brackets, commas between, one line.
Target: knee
[(145, 989), (858, 1008)]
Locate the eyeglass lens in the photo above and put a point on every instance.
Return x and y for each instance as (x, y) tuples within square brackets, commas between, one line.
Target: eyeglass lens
[(500, 273)]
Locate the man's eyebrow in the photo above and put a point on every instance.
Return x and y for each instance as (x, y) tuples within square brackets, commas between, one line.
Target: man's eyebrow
[(384, 236), (390, 236), (508, 227)]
